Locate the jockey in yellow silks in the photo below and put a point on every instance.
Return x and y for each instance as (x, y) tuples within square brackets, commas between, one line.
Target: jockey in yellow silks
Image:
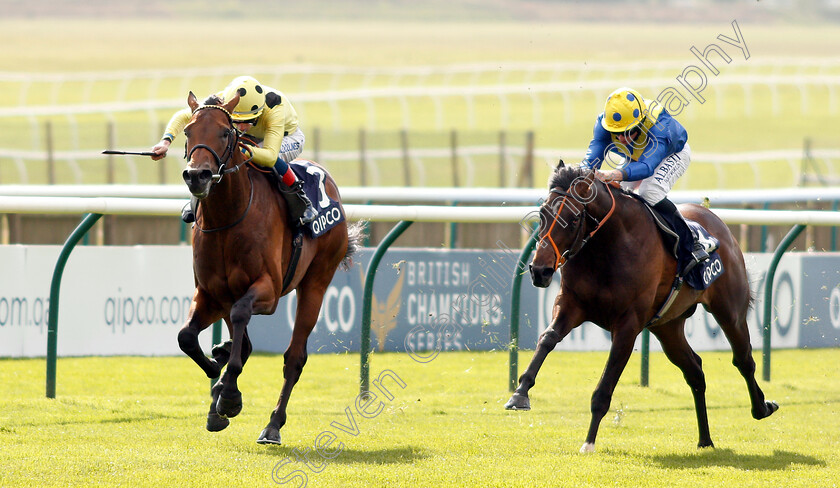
[(266, 117), (648, 151)]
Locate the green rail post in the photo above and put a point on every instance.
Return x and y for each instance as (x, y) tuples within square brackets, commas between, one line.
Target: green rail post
[(55, 287), (513, 375), (367, 298), (217, 339), (644, 378), (184, 229), (768, 295), (453, 230), (764, 231)]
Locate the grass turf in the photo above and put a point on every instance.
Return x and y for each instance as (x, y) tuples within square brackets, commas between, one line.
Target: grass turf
[(140, 422)]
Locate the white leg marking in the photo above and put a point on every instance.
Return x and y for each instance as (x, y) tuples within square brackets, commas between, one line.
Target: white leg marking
[(587, 447)]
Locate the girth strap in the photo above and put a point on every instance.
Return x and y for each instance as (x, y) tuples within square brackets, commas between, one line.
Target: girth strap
[(675, 290), (297, 245)]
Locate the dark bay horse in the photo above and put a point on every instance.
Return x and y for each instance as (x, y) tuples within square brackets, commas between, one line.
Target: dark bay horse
[(617, 273), (242, 242)]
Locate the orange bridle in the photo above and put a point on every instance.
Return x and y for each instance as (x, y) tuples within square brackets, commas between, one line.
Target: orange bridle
[(580, 239)]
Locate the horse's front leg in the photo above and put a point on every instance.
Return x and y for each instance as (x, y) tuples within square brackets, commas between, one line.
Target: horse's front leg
[(221, 354), (623, 338), (567, 316), (229, 402), (203, 312)]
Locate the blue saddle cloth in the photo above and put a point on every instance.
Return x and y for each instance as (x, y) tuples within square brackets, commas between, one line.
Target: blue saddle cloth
[(702, 275), (329, 211), (705, 273)]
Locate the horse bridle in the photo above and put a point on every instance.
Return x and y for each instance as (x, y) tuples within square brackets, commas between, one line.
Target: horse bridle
[(580, 237), (233, 142), (221, 162)]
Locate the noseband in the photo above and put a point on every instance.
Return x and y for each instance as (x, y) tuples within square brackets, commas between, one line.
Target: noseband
[(580, 238)]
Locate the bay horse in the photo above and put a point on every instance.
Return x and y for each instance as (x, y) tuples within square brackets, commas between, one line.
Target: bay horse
[(242, 248), (617, 273)]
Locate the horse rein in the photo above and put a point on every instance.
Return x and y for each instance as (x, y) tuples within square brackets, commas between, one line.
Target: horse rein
[(221, 162), (580, 239)]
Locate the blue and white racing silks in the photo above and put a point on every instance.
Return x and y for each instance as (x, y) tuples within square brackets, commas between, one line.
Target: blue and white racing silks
[(661, 136)]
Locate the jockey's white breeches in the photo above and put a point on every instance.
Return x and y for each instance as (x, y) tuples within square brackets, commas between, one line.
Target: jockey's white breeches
[(656, 186)]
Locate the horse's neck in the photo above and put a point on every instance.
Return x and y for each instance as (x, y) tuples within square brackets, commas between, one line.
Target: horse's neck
[(624, 226), (228, 200)]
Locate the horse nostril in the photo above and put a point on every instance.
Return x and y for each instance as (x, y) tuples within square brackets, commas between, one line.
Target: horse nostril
[(205, 175), (186, 176), (541, 275)]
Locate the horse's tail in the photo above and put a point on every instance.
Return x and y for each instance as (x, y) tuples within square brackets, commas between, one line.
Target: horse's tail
[(355, 235)]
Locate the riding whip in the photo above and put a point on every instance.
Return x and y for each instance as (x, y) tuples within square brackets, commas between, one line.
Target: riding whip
[(128, 153)]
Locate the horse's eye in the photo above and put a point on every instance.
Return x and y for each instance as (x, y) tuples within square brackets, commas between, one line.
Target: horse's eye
[(187, 134)]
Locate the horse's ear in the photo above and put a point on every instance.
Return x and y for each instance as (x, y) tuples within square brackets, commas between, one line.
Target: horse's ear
[(192, 102), (560, 164), (231, 104)]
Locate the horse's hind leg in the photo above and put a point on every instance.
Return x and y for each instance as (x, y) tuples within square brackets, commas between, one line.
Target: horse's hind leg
[(734, 326), (679, 352), (294, 359)]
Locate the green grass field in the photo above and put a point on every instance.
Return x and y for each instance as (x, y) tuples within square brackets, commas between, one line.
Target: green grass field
[(129, 421)]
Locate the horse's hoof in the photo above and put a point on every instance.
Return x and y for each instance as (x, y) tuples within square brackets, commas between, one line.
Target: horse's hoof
[(216, 422), (769, 408), (518, 402), (587, 447), (705, 445), (221, 353), (229, 407), (269, 435)]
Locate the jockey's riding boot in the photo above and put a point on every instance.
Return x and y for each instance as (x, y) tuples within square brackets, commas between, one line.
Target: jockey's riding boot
[(698, 251), (308, 213), (300, 208), (188, 212)]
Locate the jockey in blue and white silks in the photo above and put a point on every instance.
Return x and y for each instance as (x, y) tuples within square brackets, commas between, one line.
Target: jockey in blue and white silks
[(646, 150)]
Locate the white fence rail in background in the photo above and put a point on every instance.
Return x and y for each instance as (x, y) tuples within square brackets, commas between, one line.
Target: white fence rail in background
[(298, 78), (152, 91), (423, 161), (401, 195), (385, 213), (84, 108), (502, 93)]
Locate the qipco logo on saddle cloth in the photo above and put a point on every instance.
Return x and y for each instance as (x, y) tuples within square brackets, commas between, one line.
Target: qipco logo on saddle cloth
[(713, 269), (325, 221)]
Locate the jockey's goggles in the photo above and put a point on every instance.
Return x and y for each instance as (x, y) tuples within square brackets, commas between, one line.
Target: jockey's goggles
[(249, 121)]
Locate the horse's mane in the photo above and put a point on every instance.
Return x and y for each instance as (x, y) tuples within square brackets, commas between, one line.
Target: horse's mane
[(564, 176), (214, 100)]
